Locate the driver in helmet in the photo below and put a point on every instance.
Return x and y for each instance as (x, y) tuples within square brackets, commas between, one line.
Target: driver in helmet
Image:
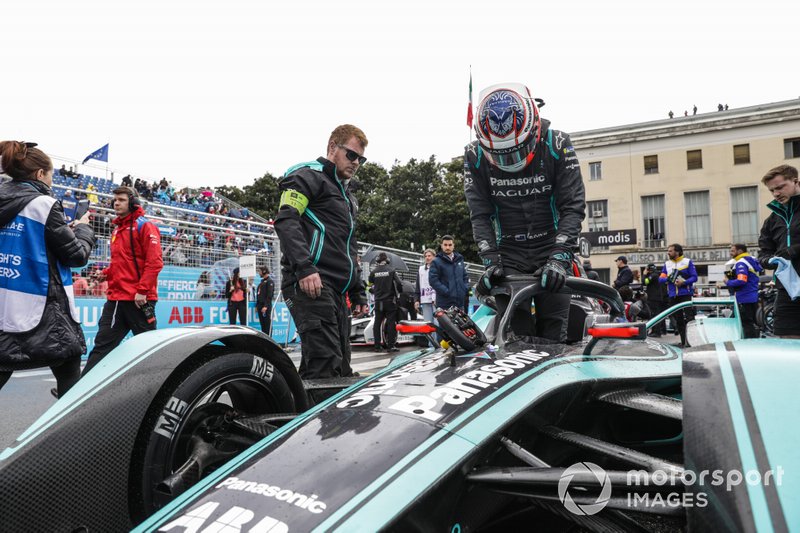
[(526, 199)]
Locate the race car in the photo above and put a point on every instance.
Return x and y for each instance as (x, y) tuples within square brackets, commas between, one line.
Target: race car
[(211, 429)]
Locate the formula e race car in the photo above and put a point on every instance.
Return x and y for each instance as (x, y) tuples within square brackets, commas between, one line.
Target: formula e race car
[(211, 429)]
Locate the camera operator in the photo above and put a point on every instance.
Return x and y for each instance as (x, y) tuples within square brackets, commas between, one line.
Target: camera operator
[(40, 325), (656, 297)]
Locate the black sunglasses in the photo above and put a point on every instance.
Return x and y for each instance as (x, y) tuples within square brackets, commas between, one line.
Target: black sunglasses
[(351, 155)]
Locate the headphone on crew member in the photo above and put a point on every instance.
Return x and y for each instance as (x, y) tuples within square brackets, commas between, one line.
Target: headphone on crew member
[(133, 198)]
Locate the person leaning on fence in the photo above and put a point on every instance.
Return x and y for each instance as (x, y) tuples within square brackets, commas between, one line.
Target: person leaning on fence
[(40, 324)]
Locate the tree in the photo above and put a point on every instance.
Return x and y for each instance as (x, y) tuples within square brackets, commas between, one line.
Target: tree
[(261, 197)]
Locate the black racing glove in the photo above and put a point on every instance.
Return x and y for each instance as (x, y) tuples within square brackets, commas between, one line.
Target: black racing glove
[(492, 274), (555, 271)]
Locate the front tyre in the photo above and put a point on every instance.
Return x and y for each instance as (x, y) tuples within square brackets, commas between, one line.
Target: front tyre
[(190, 428)]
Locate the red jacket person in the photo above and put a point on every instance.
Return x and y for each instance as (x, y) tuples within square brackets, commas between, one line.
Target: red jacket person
[(132, 276)]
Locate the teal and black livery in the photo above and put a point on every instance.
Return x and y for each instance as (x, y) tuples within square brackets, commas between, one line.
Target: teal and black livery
[(740, 412)]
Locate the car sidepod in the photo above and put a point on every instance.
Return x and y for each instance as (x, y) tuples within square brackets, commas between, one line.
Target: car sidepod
[(372, 456), (741, 409)]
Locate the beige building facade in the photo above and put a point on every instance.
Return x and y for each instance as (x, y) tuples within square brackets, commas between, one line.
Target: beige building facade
[(691, 180)]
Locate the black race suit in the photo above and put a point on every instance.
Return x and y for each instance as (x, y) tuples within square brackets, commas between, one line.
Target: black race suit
[(526, 214), (386, 286), (316, 228)]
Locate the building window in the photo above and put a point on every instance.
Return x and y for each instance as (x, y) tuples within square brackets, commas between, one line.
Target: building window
[(653, 221), (651, 164), (595, 171), (791, 148), (744, 214), (694, 159), (698, 218), (741, 154), (597, 217)]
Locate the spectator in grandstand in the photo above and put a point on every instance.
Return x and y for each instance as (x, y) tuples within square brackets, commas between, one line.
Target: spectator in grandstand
[(98, 285), (37, 308), (264, 296), (235, 291), (126, 181), (80, 287), (132, 276), (315, 283), (93, 199)]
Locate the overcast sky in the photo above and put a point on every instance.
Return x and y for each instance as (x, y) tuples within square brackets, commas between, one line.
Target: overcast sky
[(220, 92)]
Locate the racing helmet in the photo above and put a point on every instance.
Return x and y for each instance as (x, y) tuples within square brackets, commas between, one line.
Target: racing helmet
[(508, 125)]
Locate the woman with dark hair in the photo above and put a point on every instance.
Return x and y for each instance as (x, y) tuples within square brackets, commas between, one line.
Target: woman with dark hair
[(236, 289), (38, 319)]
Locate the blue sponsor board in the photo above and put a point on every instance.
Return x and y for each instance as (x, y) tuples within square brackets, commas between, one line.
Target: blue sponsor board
[(175, 313)]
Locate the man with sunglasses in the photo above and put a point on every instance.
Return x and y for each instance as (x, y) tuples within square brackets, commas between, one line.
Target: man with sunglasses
[(526, 199), (316, 227)]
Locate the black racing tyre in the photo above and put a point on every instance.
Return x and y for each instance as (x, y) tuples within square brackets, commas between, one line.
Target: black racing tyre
[(210, 388)]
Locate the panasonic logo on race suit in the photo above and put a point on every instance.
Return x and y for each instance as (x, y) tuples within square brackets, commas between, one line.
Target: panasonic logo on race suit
[(464, 387), (232, 521), (309, 503), (516, 182), (170, 416), (386, 383)]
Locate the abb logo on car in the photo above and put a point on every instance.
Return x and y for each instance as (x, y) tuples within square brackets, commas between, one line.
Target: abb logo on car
[(231, 521)]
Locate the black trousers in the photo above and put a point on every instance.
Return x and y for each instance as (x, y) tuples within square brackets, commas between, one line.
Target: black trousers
[(265, 319), (683, 316), (747, 313), (656, 307), (384, 328), (239, 308), (67, 374), (118, 318), (324, 327)]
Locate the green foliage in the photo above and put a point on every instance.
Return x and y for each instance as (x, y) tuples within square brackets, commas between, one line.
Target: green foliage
[(261, 197)]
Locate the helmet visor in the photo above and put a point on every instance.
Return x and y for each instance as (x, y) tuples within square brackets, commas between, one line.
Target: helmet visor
[(513, 158)]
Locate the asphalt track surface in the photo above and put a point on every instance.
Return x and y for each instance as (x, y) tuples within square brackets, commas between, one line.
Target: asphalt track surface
[(27, 394)]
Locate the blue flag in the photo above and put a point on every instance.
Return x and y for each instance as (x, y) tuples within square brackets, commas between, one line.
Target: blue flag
[(101, 154)]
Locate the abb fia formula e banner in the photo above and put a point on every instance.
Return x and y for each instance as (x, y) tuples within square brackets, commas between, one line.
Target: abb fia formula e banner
[(177, 313)]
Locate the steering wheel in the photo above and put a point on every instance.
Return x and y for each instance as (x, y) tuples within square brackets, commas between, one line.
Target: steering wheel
[(456, 326), (521, 287)]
